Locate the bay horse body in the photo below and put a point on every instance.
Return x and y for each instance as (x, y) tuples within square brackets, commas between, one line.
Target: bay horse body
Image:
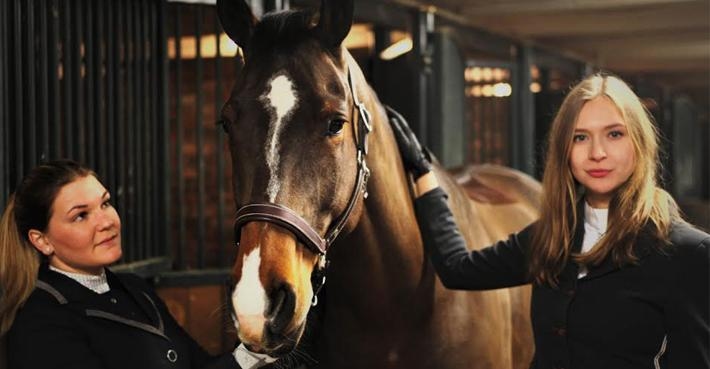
[(295, 136)]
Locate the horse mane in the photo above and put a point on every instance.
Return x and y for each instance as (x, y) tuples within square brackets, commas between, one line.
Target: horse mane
[(282, 30)]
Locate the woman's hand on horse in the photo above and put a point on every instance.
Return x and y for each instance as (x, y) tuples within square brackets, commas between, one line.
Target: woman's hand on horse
[(414, 156)]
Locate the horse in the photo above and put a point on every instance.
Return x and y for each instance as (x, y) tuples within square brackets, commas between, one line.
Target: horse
[(322, 197)]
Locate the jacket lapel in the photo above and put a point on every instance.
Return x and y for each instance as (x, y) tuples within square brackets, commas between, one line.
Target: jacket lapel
[(91, 304), (119, 319), (568, 277), (144, 301), (643, 246)]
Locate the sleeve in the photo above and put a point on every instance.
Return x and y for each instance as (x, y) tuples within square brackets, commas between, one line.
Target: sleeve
[(45, 338), (688, 309), (503, 264)]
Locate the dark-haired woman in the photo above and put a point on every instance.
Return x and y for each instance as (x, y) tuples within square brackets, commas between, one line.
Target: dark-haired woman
[(61, 306)]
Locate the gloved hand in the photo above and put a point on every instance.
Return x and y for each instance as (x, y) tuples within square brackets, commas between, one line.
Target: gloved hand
[(416, 158), (251, 360)]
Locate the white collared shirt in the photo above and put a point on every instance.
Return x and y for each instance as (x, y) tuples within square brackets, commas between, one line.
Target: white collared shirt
[(595, 222), (96, 283)]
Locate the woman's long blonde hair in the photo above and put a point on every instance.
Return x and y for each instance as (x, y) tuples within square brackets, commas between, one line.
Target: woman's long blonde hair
[(29, 208), (634, 204)]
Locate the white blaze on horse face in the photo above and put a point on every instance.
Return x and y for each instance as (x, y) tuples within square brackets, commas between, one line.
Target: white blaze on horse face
[(280, 100), (249, 297)]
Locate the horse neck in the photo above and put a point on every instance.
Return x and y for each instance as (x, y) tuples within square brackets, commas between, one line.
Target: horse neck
[(385, 244)]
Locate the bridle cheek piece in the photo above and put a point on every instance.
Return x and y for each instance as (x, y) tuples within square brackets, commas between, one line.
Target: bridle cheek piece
[(304, 232)]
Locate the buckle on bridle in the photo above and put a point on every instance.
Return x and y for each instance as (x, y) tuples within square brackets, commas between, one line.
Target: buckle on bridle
[(365, 126)]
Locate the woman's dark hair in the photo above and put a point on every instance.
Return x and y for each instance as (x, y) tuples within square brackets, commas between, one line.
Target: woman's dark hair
[(36, 193), (29, 208)]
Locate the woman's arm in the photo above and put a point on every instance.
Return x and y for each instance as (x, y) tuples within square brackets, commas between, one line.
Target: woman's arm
[(502, 264)]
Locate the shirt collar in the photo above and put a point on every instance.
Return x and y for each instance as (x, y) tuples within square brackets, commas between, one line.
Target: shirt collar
[(596, 218), (96, 283)]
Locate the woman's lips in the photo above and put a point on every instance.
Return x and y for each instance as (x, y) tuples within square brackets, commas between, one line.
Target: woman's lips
[(598, 173), (107, 240)]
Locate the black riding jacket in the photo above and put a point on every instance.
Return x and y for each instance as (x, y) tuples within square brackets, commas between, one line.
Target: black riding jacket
[(64, 325), (653, 314)]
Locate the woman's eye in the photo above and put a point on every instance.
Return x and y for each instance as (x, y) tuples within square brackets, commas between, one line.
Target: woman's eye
[(335, 127), (578, 138), (106, 204), (79, 217), (616, 134)]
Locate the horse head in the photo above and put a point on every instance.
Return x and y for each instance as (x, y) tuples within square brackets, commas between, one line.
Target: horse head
[(297, 135)]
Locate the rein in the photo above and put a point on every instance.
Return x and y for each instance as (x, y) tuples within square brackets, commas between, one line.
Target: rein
[(289, 219)]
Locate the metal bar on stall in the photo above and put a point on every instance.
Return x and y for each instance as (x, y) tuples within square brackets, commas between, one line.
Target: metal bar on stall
[(219, 149), (4, 117), (134, 131), (121, 50), (478, 128), (488, 127), (182, 244), (139, 128), (154, 142), (30, 122), (89, 76), (163, 112), (54, 138), (98, 88), (423, 27), (43, 82), (147, 190), (53, 106), (67, 76), (523, 123), (18, 101), (77, 88), (111, 93), (200, 140)]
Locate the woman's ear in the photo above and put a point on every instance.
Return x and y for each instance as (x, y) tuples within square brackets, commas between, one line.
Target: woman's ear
[(40, 242)]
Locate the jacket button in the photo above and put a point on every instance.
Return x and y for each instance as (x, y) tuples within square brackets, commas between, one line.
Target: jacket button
[(113, 300), (172, 356)]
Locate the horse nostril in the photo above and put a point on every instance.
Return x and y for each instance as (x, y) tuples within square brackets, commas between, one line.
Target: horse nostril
[(281, 308)]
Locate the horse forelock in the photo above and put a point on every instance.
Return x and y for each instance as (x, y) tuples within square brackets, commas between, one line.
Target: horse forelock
[(282, 30)]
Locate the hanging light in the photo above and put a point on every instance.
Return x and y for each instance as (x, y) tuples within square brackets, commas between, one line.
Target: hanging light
[(397, 49)]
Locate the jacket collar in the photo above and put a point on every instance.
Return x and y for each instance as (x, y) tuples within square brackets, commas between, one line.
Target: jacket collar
[(71, 292), (568, 276), (643, 246)]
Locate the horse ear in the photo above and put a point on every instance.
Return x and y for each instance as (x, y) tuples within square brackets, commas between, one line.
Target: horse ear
[(237, 21), (336, 18)]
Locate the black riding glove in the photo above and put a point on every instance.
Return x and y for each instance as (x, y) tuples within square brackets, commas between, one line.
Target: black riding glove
[(415, 157)]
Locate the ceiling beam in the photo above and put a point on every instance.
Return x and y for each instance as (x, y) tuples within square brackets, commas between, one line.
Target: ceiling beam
[(640, 49), (521, 7), (651, 39), (652, 66), (601, 22)]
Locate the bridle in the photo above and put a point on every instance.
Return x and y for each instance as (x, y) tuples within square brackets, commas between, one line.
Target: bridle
[(290, 220)]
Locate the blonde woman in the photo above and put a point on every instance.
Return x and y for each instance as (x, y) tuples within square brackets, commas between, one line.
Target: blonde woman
[(619, 279), (61, 306)]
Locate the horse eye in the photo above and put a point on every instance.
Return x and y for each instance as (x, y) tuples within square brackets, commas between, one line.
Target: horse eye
[(335, 126), (224, 124)]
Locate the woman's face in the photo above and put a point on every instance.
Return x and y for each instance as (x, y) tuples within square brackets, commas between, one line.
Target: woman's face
[(602, 157), (84, 231)]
